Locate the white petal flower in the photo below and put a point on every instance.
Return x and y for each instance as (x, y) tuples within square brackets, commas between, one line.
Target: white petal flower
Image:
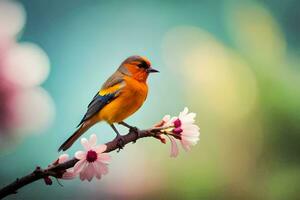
[(92, 162), (183, 129), (69, 173), (174, 148)]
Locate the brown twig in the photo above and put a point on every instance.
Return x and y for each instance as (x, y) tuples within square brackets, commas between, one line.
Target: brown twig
[(58, 169)]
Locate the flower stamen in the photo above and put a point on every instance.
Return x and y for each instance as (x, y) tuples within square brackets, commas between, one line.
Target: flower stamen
[(177, 123), (177, 130), (91, 156)]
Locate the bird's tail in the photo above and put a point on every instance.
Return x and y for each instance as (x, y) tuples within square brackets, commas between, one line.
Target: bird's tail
[(70, 141)]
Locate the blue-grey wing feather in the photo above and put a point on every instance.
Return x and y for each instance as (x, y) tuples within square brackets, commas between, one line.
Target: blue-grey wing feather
[(96, 105), (99, 101)]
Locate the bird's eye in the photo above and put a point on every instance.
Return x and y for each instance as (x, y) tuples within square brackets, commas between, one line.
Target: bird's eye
[(143, 64)]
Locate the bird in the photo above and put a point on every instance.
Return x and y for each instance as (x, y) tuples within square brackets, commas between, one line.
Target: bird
[(121, 95)]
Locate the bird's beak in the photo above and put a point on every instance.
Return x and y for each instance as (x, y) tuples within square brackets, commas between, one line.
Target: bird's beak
[(151, 70)]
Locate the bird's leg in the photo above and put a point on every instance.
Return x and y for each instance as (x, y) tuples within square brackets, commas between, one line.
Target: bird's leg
[(133, 129), (119, 138)]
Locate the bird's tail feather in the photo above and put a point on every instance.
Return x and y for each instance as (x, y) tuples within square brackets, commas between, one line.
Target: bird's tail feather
[(70, 141)]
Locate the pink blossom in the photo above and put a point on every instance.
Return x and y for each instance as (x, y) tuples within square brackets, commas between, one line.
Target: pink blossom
[(23, 67), (181, 128), (92, 162), (174, 148), (69, 174)]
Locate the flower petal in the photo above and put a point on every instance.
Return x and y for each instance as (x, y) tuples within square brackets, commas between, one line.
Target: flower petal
[(87, 172), (103, 168), (190, 140), (100, 149), (188, 119), (80, 155), (97, 168), (174, 147), (168, 121), (63, 158), (69, 175), (78, 167), (184, 112), (104, 157), (191, 116), (82, 175), (166, 118), (93, 140), (185, 145), (85, 143), (90, 171)]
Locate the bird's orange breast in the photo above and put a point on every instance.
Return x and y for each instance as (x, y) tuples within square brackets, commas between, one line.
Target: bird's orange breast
[(130, 99)]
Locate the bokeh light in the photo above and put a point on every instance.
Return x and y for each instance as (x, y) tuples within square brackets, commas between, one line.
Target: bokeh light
[(255, 31), (223, 80), (27, 65), (12, 18), (34, 110), (25, 107)]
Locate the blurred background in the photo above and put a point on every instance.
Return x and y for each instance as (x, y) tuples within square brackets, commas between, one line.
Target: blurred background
[(234, 63)]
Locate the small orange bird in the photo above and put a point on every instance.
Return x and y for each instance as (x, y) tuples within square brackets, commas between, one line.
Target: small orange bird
[(119, 97)]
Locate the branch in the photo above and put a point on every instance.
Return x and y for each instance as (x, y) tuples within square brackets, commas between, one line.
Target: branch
[(57, 170)]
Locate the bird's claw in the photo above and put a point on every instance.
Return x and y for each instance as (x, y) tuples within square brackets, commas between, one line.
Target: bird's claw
[(135, 130), (132, 129), (120, 142)]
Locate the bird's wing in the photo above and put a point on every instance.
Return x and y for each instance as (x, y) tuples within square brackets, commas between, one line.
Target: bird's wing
[(114, 79), (107, 94)]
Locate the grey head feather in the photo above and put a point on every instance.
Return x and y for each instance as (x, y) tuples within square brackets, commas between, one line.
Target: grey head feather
[(122, 69), (114, 79)]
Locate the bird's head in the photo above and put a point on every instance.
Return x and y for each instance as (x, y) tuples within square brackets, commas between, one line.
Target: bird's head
[(138, 67)]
